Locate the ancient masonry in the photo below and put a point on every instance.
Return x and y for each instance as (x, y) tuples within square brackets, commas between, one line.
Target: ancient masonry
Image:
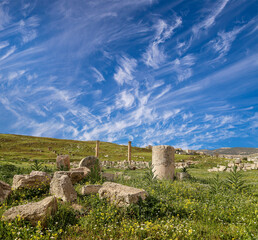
[(163, 162)]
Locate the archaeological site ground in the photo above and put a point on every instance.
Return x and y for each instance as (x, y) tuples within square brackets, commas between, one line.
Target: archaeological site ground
[(58, 189)]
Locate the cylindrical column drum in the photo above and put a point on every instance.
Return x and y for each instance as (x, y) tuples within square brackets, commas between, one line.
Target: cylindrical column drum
[(163, 162)]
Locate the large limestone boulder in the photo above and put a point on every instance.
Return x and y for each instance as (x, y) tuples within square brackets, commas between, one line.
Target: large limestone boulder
[(61, 187), (121, 195), (75, 174), (90, 189), (5, 191), (63, 161), (33, 212), (33, 180), (89, 162)]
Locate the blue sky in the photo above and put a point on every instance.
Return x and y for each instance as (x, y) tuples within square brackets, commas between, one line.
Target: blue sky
[(182, 73)]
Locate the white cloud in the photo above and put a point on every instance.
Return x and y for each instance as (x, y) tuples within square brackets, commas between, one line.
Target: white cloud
[(169, 114), (4, 44), (208, 117), (13, 75), (154, 55), (4, 16), (98, 76), (187, 116), (182, 66), (8, 53), (124, 100), (166, 90), (223, 42), (124, 73), (210, 19)]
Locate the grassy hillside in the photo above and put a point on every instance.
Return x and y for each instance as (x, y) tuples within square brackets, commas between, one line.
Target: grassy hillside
[(17, 148)]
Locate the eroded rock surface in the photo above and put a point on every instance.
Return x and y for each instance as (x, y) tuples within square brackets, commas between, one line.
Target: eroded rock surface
[(33, 212), (75, 174), (90, 162), (90, 189), (61, 187), (121, 195), (5, 191), (33, 180), (63, 161)]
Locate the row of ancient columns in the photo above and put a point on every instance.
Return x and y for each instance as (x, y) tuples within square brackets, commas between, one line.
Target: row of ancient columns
[(163, 158)]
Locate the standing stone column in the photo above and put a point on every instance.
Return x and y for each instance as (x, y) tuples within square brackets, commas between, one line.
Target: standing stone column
[(129, 151), (97, 149), (163, 158)]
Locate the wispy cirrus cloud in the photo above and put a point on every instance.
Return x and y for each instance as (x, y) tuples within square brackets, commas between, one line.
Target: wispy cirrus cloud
[(4, 14), (4, 44), (224, 40), (125, 70), (97, 75), (209, 21), (154, 55), (8, 53), (124, 99), (183, 67)]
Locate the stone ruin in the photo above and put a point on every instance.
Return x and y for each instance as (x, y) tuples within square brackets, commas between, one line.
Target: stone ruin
[(163, 158), (240, 166)]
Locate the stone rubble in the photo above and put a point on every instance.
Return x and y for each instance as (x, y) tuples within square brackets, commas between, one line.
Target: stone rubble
[(90, 189), (61, 187), (121, 195), (63, 161), (33, 180), (33, 212), (5, 191)]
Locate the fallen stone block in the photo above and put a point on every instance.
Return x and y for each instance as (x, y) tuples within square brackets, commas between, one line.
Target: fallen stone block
[(75, 176), (121, 195), (33, 180), (33, 212), (89, 162), (62, 187), (5, 191), (90, 189), (63, 161)]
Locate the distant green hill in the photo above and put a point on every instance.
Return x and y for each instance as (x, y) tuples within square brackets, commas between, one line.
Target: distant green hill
[(17, 147)]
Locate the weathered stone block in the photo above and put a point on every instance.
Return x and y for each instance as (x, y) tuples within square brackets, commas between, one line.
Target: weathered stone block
[(33, 180), (90, 162), (62, 187), (5, 191), (121, 195), (33, 212), (90, 189), (63, 161)]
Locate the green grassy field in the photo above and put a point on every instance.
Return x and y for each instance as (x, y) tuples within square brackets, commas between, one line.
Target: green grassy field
[(197, 208)]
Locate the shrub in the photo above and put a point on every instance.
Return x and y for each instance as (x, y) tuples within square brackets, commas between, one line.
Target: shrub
[(37, 166), (235, 181)]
